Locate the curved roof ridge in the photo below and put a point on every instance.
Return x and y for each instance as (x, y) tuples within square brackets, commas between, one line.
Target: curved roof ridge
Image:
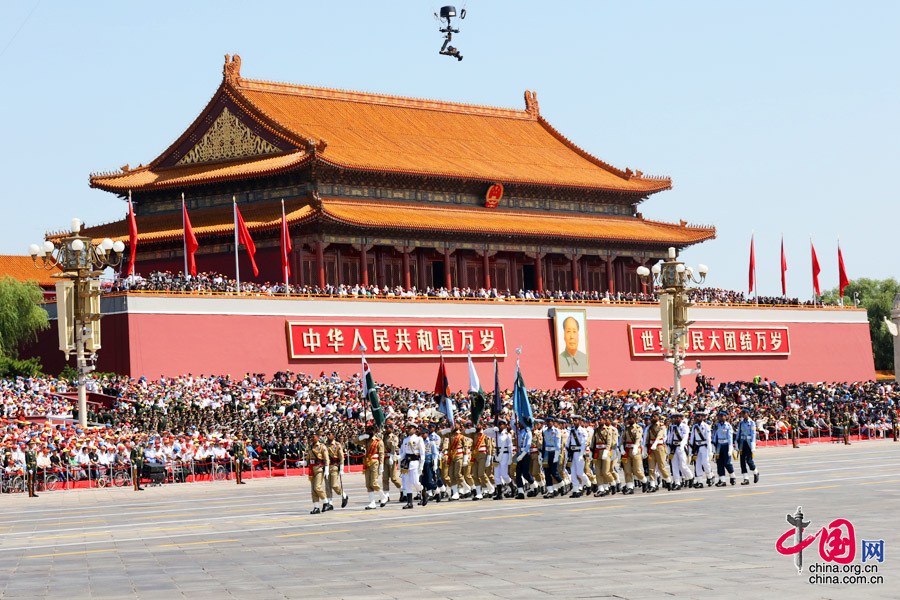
[(326, 93)]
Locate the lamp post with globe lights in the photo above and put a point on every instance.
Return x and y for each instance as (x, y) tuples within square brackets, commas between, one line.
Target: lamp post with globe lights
[(673, 278), (78, 296)]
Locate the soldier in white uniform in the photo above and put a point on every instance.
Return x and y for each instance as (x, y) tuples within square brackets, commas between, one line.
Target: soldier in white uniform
[(701, 448), (503, 453), (576, 445), (412, 457), (677, 440)]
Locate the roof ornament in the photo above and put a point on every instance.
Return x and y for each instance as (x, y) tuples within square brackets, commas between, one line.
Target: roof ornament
[(531, 104), (232, 69), (315, 146)]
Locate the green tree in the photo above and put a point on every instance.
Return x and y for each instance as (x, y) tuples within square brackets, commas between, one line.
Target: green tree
[(877, 297), (21, 316)]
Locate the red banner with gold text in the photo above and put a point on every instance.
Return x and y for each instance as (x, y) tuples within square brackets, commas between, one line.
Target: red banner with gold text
[(715, 340)]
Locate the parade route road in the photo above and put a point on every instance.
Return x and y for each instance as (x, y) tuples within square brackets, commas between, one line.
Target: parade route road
[(220, 540)]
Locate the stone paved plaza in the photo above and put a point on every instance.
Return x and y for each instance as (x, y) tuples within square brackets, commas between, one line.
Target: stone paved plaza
[(219, 540)]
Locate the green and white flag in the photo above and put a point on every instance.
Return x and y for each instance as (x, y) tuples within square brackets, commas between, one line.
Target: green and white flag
[(370, 394)]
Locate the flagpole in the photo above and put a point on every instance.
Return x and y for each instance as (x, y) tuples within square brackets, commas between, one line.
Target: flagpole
[(755, 282), (362, 381), (812, 270), (840, 290), (284, 256), (237, 267), (184, 234), (783, 282)]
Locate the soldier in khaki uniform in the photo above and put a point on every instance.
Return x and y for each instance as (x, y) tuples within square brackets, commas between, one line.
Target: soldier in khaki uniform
[(590, 468), (481, 450), (333, 480), (655, 447), (537, 442), (238, 452), (317, 460), (390, 473), (373, 462), (456, 451), (468, 482), (564, 459), (606, 438), (632, 464)]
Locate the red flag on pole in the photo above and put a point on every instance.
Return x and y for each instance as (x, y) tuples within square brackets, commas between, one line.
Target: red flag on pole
[(842, 273), (190, 241), (783, 269), (132, 235), (285, 246), (245, 239), (816, 269), (752, 265)]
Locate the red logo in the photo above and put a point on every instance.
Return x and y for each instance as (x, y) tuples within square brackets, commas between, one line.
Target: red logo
[(837, 540), (494, 195)]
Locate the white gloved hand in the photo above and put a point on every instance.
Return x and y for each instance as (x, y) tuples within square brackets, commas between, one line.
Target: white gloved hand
[(644, 454), (605, 455), (326, 471)]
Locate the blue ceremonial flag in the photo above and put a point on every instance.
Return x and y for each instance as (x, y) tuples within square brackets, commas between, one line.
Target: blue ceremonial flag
[(521, 404), (442, 391)]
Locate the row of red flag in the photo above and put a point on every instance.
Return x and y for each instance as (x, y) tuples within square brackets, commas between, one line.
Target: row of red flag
[(843, 280), (242, 236)]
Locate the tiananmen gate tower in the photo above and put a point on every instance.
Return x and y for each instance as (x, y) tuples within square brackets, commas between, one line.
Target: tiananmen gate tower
[(393, 191)]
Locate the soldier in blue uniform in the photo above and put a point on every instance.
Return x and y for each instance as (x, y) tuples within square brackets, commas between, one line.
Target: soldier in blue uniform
[(550, 453), (723, 440), (523, 463), (746, 443)]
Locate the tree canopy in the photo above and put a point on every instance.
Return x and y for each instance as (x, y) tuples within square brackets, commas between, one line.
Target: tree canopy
[(877, 297), (21, 316)]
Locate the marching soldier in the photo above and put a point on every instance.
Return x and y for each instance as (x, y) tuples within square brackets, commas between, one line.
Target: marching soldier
[(373, 462), (847, 422), (723, 439), (137, 464), (334, 471), (238, 451), (700, 442), (31, 468), (795, 428), (677, 438), (391, 460), (429, 467), (317, 459), (576, 446), (524, 480), (537, 472), (412, 455), (479, 460), (503, 453), (456, 450), (746, 440), (655, 448), (895, 424), (468, 482), (550, 451), (632, 464)]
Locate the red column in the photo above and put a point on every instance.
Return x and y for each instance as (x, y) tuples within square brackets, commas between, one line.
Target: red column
[(420, 257), (363, 265), (487, 271), (320, 263), (406, 282), (610, 277), (539, 271), (575, 272), (448, 279)]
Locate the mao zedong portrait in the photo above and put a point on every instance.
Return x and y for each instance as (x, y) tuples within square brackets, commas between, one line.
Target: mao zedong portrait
[(571, 360)]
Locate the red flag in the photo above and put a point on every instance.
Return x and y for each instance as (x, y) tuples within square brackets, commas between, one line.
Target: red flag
[(842, 273), (285, 244), (752, 265), (783, 269), (245, 239), (815, 269), (190, 242), (132, 235)]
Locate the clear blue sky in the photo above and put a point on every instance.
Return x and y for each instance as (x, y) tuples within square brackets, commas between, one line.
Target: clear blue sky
[(769, 116)]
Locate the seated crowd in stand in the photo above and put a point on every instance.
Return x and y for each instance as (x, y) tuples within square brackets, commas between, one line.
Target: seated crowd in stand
[(192, 420), (165, 281)]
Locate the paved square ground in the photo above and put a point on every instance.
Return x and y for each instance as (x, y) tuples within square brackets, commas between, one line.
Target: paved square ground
[(219, 540)]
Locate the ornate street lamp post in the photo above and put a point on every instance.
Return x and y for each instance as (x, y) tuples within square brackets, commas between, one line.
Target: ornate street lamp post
[(673, 277), (78, 296)]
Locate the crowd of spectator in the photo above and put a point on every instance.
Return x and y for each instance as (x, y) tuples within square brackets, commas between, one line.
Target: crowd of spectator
[(194, 419), (165, 281)]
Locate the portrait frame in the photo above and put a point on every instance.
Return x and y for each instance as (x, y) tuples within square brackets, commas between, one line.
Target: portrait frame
[(564, 368)]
